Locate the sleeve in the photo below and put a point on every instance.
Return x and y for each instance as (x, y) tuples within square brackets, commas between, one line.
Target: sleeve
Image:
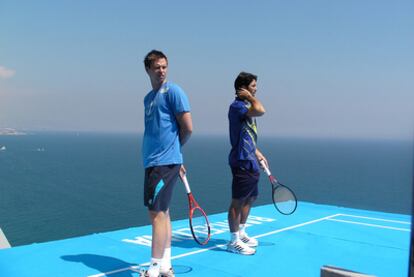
[(239, 109), (178, 100)]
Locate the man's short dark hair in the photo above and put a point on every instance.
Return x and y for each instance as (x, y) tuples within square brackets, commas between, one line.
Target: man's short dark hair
[(152, 56), (243, 80)]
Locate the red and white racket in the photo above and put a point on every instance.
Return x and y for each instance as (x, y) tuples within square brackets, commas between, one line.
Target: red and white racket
[(199, 225)]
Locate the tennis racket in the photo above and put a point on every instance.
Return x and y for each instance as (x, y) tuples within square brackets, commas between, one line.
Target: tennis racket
[(200, 228), (283, 197)]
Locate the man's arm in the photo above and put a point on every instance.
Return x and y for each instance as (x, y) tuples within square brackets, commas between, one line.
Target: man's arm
[(186, 126), (256, 108), (261, 157)]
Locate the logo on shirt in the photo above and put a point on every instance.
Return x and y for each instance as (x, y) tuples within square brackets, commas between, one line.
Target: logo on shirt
[(164, 89), (149, 109)]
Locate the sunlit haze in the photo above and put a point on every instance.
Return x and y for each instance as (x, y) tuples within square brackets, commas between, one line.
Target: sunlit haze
[(325, 68)]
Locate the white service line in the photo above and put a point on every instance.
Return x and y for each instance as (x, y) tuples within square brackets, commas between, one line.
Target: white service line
[(296, 226), (370, 225), (376, 218), (135, 268)]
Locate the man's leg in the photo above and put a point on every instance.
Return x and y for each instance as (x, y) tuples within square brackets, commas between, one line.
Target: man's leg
[(161, 244), (234, 215), (168, 228), (159, 240), (161, 182), (159, 233), (166, 267), (245, 211)]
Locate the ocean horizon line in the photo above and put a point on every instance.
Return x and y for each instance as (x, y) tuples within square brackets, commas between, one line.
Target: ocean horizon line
[(29, 132)]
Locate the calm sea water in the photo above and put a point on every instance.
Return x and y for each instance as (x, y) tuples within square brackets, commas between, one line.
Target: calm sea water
[(55, 186)]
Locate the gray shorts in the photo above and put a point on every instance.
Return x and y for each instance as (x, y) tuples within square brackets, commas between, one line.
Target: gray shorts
[(159, 183)]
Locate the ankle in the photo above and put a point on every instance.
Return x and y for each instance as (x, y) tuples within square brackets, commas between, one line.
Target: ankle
[(234, 236), (242, 230), (155, 265), (166, 259)]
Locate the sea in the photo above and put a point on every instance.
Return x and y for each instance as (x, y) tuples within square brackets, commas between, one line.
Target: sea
[(60, 185)]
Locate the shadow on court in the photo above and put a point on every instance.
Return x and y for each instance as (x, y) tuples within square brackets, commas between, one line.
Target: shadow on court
[(220, 243), (101, 263), (191, 244)]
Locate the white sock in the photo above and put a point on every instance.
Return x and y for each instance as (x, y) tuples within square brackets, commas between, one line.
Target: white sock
[(166, 259), (242, 230), (154, 269), (234, 236)]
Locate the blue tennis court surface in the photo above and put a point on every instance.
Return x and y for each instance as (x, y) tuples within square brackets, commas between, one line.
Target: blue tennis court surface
[(370, 242)]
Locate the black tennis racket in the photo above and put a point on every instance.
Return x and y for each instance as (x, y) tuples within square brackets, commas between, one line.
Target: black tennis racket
[(199, 225), (284, 199)]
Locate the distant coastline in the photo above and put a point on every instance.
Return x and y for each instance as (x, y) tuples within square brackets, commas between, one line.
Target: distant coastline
[(11, 132)]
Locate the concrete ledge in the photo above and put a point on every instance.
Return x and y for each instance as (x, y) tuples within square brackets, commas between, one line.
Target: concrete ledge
[(4, 243)]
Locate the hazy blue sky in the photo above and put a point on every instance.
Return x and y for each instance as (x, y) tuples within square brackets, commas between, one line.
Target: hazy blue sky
[(326, 68)]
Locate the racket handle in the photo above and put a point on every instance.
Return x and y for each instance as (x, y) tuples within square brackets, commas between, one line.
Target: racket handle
[(265, 168), (186, 184)]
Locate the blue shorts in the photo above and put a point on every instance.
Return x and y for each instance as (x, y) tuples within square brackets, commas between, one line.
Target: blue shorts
[(159, 182), (244, 183)]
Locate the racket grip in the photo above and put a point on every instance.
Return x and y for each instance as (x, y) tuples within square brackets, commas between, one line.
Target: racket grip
[(186, 184), (265, 168)]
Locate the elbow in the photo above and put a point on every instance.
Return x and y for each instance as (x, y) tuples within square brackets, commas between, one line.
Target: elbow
[(263, 111), (185, 135), (188, 130), (260, 112), (256, 112)]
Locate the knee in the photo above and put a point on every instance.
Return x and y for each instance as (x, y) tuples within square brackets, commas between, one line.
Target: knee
[(249, 201), (157, 216), (252, 199), (235, 204)]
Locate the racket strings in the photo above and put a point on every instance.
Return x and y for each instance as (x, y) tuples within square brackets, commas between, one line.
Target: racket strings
[(200, 226), (284, 200)]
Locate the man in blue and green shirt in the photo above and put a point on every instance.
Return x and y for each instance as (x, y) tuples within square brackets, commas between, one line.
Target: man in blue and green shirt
[(244, 160)]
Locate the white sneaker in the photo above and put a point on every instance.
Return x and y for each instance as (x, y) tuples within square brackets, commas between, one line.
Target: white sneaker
[(252, 242), (167, 273), (240, 247), (147, 273)]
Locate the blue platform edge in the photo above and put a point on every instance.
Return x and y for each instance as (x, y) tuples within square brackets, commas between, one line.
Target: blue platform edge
[(369, 242)]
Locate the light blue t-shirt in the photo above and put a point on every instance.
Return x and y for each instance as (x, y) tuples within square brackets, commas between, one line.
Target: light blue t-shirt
[(161, 144)]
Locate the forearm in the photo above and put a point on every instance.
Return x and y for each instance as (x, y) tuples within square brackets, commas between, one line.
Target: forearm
[(261, 158), (259, 154), (185, 127), (184, 135), (256, 108)]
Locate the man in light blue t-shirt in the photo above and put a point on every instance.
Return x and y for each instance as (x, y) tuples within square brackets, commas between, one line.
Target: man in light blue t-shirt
[(168, 126)]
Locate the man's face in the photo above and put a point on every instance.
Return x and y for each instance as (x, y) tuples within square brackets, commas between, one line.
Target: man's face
[(252, 87), (158, 71)]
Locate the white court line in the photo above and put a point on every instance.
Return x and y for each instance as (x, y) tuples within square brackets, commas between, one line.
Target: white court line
[(370, 225), (296, 226), (376, 218), (135, 268)]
